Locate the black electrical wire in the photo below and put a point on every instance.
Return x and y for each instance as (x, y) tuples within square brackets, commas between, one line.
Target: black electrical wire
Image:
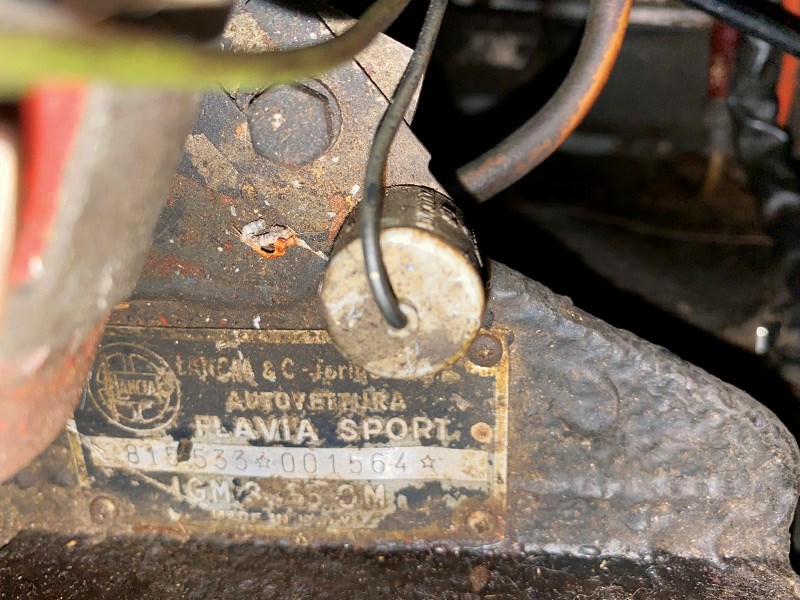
[(764, 20), (372, 203)]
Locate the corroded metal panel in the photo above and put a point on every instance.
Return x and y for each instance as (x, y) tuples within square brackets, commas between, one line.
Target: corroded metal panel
[(271, 431)]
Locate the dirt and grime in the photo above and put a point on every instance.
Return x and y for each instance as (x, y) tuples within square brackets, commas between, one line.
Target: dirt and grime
[(148, 568)]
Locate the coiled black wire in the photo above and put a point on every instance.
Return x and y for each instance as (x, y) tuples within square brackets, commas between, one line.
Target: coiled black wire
[(372, 203)]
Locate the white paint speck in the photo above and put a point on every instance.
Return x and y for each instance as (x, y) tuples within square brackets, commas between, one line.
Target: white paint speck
[(296, 184), (277, 120), (171, 241), (257, 322), (173, 515), (335, 159), (355, 189), (233, 211), (219, 248)]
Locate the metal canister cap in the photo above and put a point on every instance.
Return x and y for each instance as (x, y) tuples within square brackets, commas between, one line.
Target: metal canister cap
[(434, 269)]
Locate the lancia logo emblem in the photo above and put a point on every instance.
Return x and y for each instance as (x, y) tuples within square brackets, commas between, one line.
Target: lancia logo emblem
[(134, 388)]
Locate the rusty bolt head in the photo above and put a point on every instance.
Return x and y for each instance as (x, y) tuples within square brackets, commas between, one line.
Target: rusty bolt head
[(479, 576), (481, 432), (486, 350), (481, 523), (103, 510), (293, 125)]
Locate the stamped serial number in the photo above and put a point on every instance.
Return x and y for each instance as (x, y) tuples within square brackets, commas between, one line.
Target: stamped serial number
[(411, 462)]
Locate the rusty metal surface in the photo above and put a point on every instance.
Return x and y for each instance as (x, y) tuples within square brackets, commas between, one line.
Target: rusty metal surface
[(384, 60), (618, 452), (223, 184), (631, 474), (275, 435), (628, 440)]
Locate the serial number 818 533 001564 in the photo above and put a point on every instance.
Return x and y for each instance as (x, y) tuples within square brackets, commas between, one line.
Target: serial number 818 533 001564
[(410, 462)]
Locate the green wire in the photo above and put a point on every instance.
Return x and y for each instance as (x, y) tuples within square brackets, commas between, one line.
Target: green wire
[(147, 61)]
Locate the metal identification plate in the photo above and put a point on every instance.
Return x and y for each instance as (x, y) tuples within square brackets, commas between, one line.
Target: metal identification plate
[(271, 431)]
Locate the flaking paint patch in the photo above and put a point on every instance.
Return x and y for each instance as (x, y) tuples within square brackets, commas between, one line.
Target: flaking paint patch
[(269, 242)]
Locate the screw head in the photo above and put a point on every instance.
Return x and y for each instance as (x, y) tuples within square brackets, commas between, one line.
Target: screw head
[(481, 432), (103, 510), (481, 523), (293, 125), (486, 350)]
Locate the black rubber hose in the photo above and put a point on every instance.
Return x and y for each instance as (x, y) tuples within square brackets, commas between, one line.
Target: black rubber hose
[(764, 20), (372, 203), (542, 134)]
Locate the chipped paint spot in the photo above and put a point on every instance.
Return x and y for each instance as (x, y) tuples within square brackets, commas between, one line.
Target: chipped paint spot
[(269, 242)]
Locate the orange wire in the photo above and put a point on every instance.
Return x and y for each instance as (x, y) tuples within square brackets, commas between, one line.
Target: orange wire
[(787, 82)]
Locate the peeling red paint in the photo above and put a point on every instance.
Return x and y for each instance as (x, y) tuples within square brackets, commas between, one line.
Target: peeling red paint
[(50, 116)]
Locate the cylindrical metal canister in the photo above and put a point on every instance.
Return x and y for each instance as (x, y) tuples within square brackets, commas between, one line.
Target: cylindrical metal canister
[(434, 267)]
